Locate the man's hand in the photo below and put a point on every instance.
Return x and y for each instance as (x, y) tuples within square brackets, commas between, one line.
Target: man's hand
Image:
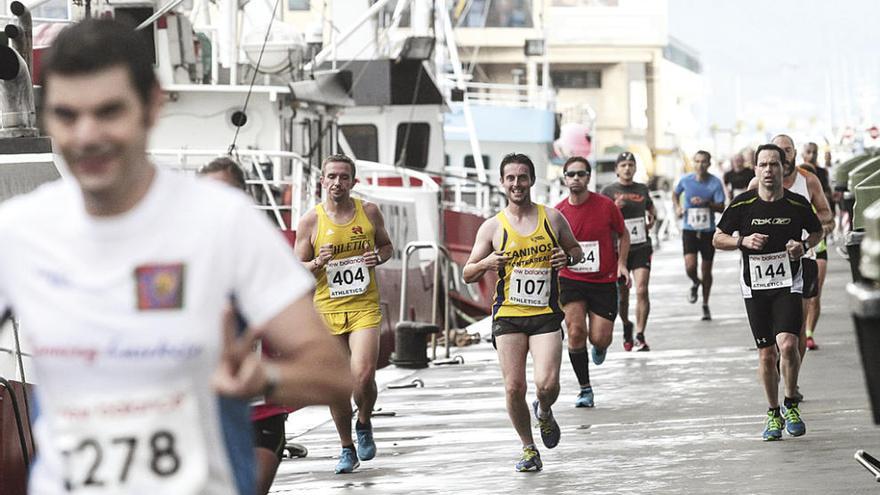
[(755, 241), (795, 249), (325, 254), (371, 258), (697, 201), (679, 211), (650, 222), (494, 262), (558, 258), (241, 373), (623, 273)]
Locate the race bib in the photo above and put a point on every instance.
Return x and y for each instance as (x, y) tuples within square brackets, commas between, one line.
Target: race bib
[(347, 277), (143, 442), (529, 286), (698, 218), (770, 271), (638, 231), (590, 263)]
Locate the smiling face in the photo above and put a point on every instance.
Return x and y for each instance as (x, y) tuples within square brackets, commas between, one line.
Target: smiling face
[(101, 127), (516, 180), (338, 180)]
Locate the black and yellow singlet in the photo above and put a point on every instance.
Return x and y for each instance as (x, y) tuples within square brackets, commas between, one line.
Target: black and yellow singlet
[(346, 284), (527, 285)]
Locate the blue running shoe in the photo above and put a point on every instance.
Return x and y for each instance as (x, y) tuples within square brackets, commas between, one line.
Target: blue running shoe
[(585, 398), (366, 446), (550, 431), (348, 461), (794, 425), (598, 356), (530, 460), (773, 428)]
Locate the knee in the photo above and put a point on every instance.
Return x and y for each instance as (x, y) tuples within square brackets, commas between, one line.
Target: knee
[(642, 292), (789, 347), (515, 390), (768, 357), (364, 379), (548, 388), (577, 331)]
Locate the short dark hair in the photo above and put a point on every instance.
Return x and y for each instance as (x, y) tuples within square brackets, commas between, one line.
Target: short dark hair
[(626, 156), (517, 158), (706, 153), (227, 165), (575, 159), (771, 147), (93, 45), (340, 157)]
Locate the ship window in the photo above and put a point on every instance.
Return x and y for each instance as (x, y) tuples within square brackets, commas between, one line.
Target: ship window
[(486, 13), (298, 5), (577, 79), (414, 136), (363, 140), (469, 161)]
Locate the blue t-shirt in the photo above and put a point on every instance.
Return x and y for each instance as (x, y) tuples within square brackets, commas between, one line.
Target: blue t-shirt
[(699, 218)]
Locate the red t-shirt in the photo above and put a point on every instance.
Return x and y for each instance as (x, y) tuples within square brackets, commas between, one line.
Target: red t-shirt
[(593, 223)]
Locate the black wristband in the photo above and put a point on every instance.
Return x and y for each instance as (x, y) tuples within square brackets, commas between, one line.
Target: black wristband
[(739, 242)]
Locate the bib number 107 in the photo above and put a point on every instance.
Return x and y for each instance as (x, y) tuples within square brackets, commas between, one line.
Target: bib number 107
[(95, 463)]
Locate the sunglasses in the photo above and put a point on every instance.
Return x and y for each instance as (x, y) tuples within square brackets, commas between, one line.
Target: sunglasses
[(576, 173)]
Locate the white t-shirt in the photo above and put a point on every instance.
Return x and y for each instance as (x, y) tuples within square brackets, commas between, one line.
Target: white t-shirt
[(124, 315)]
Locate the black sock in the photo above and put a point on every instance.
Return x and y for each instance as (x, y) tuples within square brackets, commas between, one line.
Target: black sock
[(581, 365), (775, 411), (349, 446), (640, 337), (362, 426), (789, 402)]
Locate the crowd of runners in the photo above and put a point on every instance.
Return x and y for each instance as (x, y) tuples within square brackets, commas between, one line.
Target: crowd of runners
[(114, 273)]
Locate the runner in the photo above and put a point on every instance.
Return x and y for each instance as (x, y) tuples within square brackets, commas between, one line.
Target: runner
[(343, 239), (526, 317), (122, 276), (267, 419), (634, 201), (798, 180), (812, 308), (703, 196), (736, 180), (591, 286), (770, 221)]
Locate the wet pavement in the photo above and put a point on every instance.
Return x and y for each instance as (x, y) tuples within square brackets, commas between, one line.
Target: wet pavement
[(684, 418)]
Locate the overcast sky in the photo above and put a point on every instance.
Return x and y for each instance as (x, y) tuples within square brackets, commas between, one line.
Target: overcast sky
[(785, 54)]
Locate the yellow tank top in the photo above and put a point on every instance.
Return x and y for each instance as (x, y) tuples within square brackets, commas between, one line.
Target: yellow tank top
[(345, 283), (527, 285)]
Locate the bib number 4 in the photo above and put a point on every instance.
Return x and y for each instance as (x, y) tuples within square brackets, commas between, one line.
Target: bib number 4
[(590, 263), (347, 277)]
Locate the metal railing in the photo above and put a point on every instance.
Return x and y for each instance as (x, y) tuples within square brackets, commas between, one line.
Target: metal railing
[(440, 280)]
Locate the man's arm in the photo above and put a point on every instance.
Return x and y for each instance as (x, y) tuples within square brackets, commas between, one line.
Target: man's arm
[(302, 248), (384, 248), (298, 375), (483, 258), (817, 197), (676, 202), (717, 202), (565, 236), (724, 241)]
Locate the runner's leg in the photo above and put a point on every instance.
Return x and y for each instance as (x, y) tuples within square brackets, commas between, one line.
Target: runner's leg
[(512, 351), (364, 345), (546, 350), (601, 331), (706, 270), (576, 324), (342, 412), (768, 375), (790, 361), (690, 267), (641, 276)]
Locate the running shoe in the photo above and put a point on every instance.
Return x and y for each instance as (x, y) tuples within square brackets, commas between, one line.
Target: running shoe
[(707, 316), (773, 426), (692, 297), (627, 336), (348, 461), (643, 345), (811, 344), (366, 448), (585, 398), (794, 425), (530, 460), (598, 355), (550, 431)]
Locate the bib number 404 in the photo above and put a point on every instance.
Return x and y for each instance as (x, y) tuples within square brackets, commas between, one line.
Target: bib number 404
[(98, 464)]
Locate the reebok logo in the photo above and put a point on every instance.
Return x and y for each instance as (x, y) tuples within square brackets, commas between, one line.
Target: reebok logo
[(771, 221)]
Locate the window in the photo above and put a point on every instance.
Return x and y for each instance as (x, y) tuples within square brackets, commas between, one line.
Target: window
[(411, 148), (298, 5), (489, 13), (363, 140), (469, 161), (577, 79)]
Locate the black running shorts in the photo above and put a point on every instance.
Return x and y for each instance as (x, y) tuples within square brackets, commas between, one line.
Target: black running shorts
[(601, 299), (773, 312), (640, 257), (269, 434), (811, 278), (694, 242), (529, 325)]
